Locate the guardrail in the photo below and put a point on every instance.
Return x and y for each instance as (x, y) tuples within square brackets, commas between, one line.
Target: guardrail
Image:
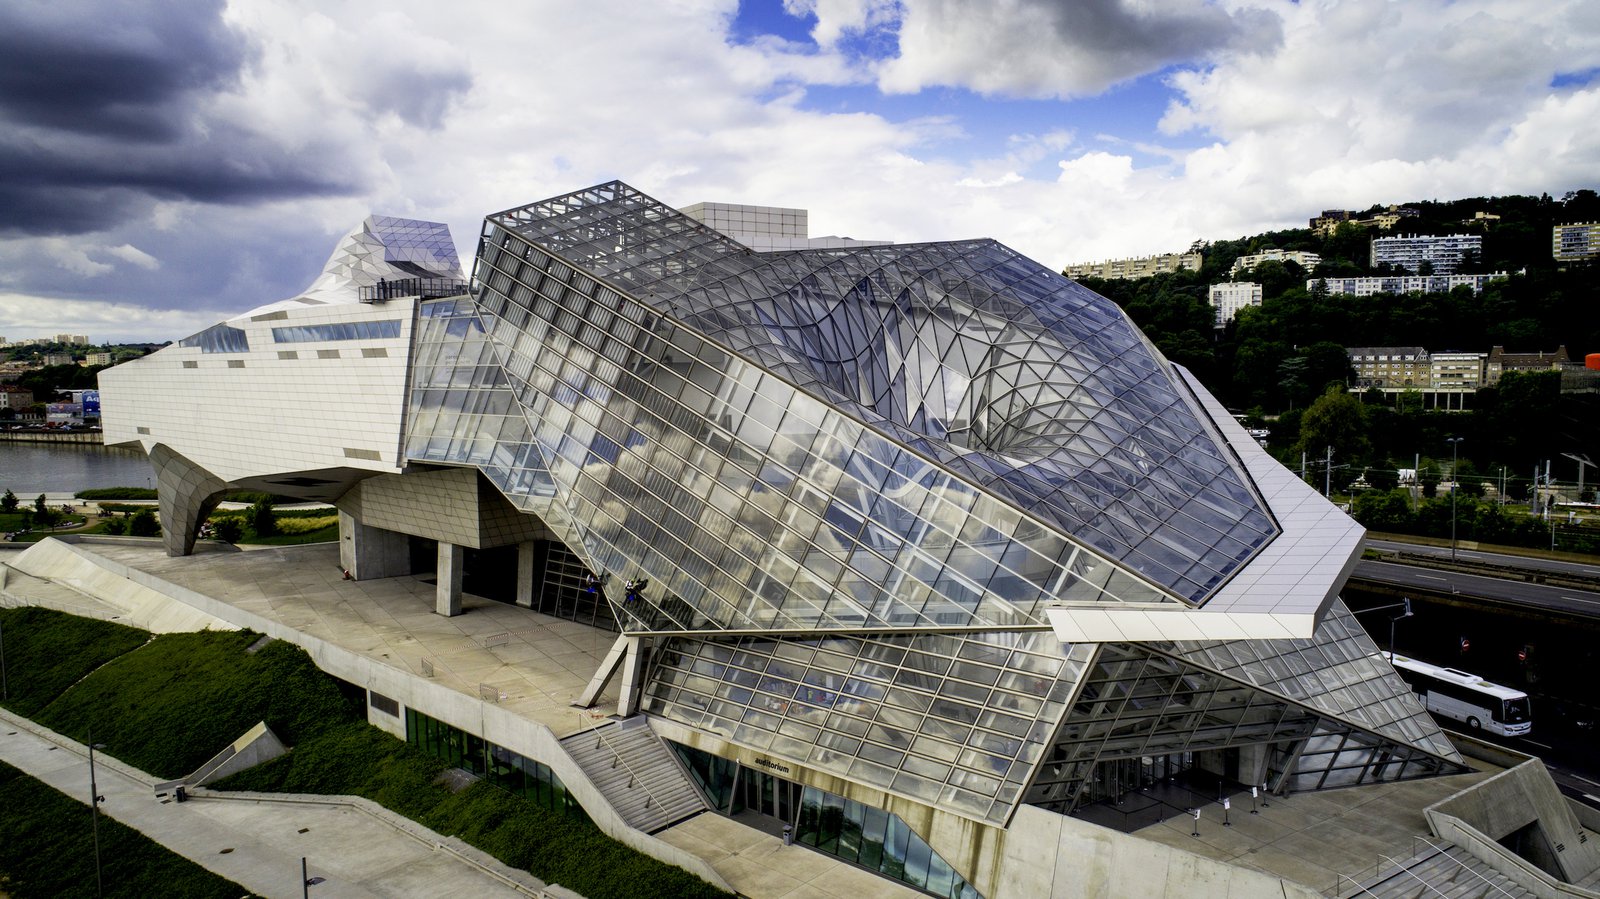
[(617, 759)]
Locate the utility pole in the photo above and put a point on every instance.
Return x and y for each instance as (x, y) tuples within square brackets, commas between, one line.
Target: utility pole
[(1302, 465), (1327, 476), (1455, 484)]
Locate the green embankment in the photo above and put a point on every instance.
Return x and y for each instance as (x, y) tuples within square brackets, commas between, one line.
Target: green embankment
[(166, 704)]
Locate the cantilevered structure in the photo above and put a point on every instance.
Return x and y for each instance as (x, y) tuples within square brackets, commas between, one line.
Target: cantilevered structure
[(910, 543)]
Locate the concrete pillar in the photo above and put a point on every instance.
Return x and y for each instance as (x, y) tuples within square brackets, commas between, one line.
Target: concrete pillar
[(447, 599), (368, 552), (187, 494), (525, 573)]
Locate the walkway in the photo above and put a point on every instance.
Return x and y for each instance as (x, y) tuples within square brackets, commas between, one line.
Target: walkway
[(258, 845)]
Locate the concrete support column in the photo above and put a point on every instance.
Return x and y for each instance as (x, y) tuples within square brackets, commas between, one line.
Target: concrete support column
[(368, 552), (447, 600), (525, 585), (187, 494)]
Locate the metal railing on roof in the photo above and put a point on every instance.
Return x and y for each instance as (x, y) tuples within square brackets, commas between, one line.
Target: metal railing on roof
[(426, 288)]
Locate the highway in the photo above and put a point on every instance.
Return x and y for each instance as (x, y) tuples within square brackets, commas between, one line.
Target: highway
[(1527, 563), (1500, 590)]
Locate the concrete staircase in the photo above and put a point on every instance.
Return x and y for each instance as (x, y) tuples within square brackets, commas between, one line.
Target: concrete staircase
[(637, 773), (1445, 872)]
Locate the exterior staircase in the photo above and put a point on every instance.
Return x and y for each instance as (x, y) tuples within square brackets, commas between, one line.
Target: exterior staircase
[(1441, 872), (637, 773)]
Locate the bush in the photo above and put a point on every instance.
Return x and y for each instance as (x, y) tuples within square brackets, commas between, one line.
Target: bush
[(144, 524), (229, 528), (116, 527), (262, 521), (306, 525), (116, 493)]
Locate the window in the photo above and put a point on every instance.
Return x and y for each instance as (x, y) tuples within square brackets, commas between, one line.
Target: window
[(378, 330)]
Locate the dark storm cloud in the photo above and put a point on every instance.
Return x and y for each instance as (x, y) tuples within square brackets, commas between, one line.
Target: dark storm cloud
[(102, 113), (1144, 37), (112, 68)]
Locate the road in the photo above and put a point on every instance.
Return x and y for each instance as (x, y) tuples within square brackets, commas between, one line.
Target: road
[(1520, 593), (1528, 563)]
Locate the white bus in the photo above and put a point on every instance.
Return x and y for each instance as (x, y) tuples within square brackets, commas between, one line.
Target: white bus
[(1468, 698)]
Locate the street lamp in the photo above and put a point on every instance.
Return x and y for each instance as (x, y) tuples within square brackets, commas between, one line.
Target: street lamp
[(1455, 485), (94, 803), (1405, 604), (306, 883)]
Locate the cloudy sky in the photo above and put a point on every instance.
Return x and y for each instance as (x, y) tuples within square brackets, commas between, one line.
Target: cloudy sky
[(163, 165)]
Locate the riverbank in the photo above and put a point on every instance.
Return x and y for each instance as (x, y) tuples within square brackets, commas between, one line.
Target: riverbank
[(90, 437)]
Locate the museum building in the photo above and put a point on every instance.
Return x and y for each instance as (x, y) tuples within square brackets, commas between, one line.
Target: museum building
[(907, 547)]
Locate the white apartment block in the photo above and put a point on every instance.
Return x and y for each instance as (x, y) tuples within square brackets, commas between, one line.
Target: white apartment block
[(1140, 267), (1443, 251), (1307, 261), (1403, 284), (1229, 297), (97, 359), (1456, 371), (1579, 240)]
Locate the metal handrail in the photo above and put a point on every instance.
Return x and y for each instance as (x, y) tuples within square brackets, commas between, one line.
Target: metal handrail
[(1468, 868), (617, 759)]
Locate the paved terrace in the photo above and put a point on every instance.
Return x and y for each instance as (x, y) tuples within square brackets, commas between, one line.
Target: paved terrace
[(538, 663)]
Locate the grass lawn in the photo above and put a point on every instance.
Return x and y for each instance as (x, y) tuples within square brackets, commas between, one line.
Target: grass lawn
[(47, 851)]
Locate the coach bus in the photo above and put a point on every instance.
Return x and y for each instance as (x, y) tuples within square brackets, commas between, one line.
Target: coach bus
[(1468, 698)]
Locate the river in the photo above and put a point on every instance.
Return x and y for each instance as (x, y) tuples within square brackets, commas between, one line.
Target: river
[(29, 469)]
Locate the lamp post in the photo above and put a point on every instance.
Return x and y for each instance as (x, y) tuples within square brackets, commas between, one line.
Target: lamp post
[(1455, 485), (306, 883), (94, 804), (1407, 613)]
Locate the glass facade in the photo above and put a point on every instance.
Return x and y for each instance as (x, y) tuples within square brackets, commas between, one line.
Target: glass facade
[(956, 722), (843, 486), (219, 339), (517, 774), (367, 330), (872, 838)]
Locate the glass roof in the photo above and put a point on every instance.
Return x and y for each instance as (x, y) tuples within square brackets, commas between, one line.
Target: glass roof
[(998, 370)]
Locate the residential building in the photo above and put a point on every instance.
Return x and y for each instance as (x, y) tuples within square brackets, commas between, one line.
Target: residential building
[(1332, 218), (931, 553), (1404, 284), (1304, 259), (97, 359), (1139, 267), (1576, 242), (1391, 366), (1442, 252), (58, 359), (1499, 362), (1229, 297), (1453, 371), (14, 397), (72, 339)]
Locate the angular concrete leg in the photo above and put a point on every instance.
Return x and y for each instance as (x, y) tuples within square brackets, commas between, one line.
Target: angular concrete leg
[(187, 495), (525, 560), (447, 601), (620, 649)]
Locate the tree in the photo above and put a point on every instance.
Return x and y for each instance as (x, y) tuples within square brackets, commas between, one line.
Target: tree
[(144, 524), (1336, 420), (39, 504), (1384, 510), (262, 519), (8, 503)]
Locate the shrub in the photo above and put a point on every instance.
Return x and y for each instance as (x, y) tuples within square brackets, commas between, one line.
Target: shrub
[(144, 524), (305, 525), (262, 520), (116, 527), (229, 528), (116, 493)]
